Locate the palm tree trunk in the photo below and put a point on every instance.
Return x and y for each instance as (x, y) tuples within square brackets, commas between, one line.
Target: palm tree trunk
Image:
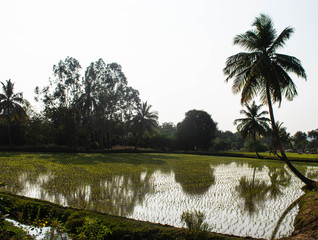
[(9, 126), (255, 147), (307, 181)]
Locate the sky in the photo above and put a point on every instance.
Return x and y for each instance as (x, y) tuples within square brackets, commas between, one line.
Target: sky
[(172, 51)]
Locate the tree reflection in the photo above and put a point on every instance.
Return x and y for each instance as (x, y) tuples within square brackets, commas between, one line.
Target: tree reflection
[(115, 194), (280, 178), (195, 179), (255, 192)]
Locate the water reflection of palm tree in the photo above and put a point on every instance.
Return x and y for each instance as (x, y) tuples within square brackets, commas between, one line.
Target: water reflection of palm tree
[(280, 178), (254, 192)]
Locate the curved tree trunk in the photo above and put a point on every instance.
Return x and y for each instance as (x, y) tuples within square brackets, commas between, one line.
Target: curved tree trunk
[(307, 181)]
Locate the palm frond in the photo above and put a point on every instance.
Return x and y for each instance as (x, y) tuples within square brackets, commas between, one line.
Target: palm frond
[(280, 40), (290, 64)]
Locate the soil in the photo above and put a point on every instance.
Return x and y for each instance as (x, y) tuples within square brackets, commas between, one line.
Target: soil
[(306, 222)]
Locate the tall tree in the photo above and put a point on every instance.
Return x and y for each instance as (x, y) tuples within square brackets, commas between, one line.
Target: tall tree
[(11, 105), (263, 72), (196, 130), (145, 121), (254, 124)]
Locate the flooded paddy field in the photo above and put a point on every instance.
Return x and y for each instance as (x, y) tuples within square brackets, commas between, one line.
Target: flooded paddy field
[(244, 197)]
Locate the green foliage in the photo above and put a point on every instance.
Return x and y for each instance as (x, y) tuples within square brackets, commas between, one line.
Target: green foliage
[(195, 222), (300, 141), (11, 107), (254, 125), (9, 232), (92, 229), (262, 72), (196, 131), (145, 121)]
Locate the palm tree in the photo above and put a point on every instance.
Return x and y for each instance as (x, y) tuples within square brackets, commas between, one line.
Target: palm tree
[(263, 72), (254, 124), (11, 105), (284, 138), (145, 121)]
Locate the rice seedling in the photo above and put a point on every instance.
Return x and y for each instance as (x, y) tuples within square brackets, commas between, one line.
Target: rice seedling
[(238, 196)]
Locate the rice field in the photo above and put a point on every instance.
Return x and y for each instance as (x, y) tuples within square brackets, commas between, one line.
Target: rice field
[(244, 197)]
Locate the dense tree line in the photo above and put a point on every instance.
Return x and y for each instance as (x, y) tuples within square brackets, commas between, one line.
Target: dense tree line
[(100, 110)]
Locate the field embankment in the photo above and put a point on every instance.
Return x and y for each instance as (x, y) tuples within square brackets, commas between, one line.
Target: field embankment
[(27, 210)]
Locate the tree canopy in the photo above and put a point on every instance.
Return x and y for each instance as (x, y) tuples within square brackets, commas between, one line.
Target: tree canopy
[(196, 131), (265, 73)]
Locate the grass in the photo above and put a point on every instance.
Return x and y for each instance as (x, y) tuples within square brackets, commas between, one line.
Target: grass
[(292, 156)]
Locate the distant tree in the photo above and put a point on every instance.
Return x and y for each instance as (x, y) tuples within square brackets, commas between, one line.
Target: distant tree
[(254, 125), (11, 105), (196, 131), (313, 142), (93, 110), (300, 141), (116, 101), (165, 138), (263, 72), (284, 138), (145, 121), (226, 140), (168, 128)]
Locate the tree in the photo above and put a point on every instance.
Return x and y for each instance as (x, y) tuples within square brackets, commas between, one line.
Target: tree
[(254, 124), (284, 138), (88, 110), (313, 140), (263, 72), (11, 105), (300, 141), (196, 130), (145, 121)]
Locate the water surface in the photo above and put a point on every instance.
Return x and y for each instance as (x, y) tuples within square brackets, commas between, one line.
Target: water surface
[(245, 198)]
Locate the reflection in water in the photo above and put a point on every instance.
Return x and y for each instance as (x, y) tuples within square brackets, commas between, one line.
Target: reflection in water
[(221, 192), (115, 195), (220, 204), (195, 181), (255, 192)]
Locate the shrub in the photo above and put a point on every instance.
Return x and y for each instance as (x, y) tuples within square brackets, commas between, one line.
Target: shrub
[(195, 222)]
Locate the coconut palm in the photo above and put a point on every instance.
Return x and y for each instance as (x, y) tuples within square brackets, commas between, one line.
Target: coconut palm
[(284, 138), (145, 121), (254, 124), (265, 73), (11, 105)]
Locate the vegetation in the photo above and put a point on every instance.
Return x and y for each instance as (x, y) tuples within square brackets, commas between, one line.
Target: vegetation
[(196, 131), (11, 106), (145, 121), (263, 71), (100, 111), (254, 124)]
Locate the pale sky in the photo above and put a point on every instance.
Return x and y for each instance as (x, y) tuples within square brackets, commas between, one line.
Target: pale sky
[(172, 51)]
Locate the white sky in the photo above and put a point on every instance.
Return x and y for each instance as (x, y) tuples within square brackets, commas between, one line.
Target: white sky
[(172, 51)]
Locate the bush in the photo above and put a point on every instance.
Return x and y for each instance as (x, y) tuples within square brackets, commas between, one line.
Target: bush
[(195, 222)]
